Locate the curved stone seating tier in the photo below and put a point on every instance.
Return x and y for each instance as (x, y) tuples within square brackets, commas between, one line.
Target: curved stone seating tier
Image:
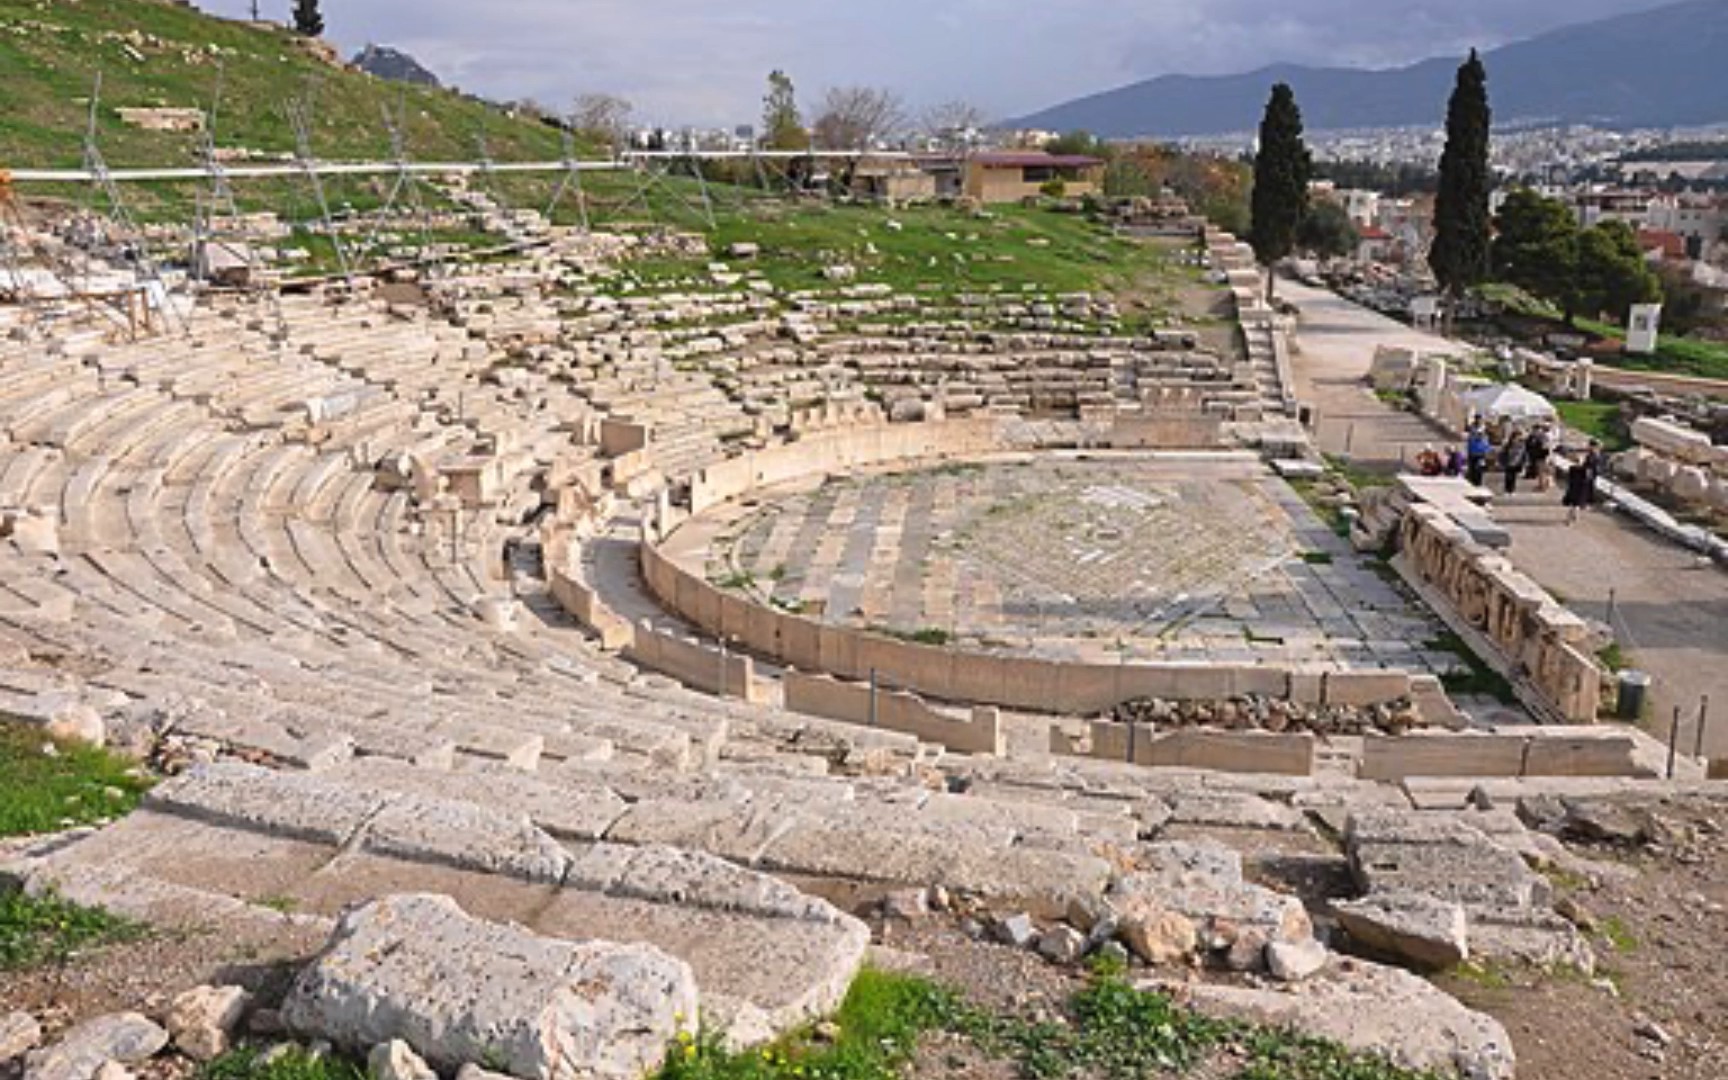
[(27, 472), (215, 846)]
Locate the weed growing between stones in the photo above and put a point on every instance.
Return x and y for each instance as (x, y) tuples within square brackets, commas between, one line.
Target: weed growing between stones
[(36, 931), (53, 785), (872, 1037), (1479, 678), (1109, 1030), (291, 1063), (1619, 935)]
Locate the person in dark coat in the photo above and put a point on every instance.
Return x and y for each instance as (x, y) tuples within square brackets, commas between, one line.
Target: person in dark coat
[(1512, 459), (1581, 481), (1537, 449)]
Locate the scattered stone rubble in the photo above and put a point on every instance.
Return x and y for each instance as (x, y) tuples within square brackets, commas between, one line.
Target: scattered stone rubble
[(1271, 714)]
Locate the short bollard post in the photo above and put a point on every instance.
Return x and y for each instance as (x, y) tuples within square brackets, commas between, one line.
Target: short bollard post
[(1673, 742)]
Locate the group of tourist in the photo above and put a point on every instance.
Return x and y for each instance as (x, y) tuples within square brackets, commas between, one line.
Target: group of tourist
[(1518, 454)]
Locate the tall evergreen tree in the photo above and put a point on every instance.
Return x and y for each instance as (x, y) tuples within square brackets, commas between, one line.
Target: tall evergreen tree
[(1281, 171), (308, 20), (782, 123), (1460, 255)]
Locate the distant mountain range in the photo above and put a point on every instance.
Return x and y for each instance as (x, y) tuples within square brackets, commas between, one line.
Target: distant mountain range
[(1659, 68), (393, 64)]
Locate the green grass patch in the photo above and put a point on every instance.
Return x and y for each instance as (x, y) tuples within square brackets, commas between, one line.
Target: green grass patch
[(878, 1027), (927, 635), (1317, 558), (1599, 420), (1612, 657), (937, 252), (1356, 476), (1483, 974), (293, 1063), (50, 785), (168, 55), (1618, 935), (1479, 679), (1673, 356), (1333, 516), (1109, 1031), (36, 931)]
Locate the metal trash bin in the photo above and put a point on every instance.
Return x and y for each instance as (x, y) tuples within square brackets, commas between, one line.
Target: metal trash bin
[(1634, 688)]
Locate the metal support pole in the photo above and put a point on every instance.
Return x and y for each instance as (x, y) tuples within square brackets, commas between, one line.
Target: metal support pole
[(720, 684), (1131, 733), (1673, 742), (1698, 736), (872, 697), (300, 118), (1611, 613)]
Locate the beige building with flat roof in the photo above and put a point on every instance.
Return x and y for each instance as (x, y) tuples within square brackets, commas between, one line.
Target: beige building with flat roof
[(1011, 177)]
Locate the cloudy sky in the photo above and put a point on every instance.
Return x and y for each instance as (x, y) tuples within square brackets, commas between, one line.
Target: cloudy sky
[(705, 61)]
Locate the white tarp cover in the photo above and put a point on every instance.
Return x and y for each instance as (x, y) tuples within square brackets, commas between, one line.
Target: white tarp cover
[(1509, 402)]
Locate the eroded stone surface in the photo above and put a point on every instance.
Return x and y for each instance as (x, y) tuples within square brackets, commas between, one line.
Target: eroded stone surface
[(201, 1020), (1421, 929), (126, 1038), (459, 989), (1373, 1009)]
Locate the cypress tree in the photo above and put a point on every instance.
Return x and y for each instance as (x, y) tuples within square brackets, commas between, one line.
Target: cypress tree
[(1281, 170), (308, 20), (1460, 255)]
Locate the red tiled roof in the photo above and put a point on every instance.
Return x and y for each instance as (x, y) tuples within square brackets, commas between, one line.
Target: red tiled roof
[(1672, 245), (1372, 232)]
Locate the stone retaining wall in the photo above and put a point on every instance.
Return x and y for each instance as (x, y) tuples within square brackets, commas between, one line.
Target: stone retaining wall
[(1217, 751), (838, 450), (844, 448), (1392, 759), (696, 665), (1015, 682), (909, 714)]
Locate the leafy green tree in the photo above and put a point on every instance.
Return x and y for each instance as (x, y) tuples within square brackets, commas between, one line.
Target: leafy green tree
[(1611, 272), (1460, 254), (308, 20), (1327, 231), (1536, 248), (782, 123), (1079, 143), (1281, 171)]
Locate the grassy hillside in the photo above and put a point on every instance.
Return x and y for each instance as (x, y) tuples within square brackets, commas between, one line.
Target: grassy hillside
[(154, 53)]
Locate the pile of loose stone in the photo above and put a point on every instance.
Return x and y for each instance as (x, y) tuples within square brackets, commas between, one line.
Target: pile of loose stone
[(1257, 713)]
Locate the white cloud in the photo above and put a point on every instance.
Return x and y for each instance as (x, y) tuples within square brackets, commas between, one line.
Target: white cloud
[(705, 61)]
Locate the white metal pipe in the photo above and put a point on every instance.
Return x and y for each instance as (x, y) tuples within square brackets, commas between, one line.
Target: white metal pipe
[(461, 168)]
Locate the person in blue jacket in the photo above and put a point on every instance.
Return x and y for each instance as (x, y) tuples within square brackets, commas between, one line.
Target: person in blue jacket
[(1477, 447)]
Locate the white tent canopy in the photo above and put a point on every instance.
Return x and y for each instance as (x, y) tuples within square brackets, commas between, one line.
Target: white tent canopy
[(1508, 402)]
